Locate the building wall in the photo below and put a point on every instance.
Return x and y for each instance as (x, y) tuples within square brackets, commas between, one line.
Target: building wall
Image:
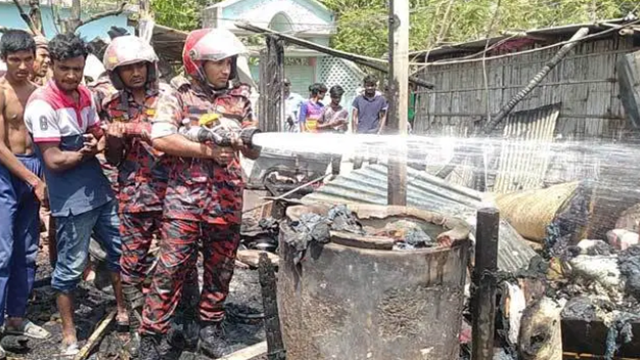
[(585, 82), (10, 18), (303, 15), (302, 72)]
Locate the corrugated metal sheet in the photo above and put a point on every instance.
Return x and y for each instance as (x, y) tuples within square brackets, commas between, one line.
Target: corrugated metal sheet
[(525, 153), (536, 34), (369, 186)]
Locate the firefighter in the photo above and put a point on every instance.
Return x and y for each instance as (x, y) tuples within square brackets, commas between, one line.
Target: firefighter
[(203, 202), (131, 64)]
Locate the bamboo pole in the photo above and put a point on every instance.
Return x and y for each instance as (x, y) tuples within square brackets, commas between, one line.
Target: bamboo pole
[(397, 116), (96, 336)]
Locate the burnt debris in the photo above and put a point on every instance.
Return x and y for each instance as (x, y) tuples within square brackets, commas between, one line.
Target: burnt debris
[(629, 263), (342, 219), (407, 234), (309, 228)]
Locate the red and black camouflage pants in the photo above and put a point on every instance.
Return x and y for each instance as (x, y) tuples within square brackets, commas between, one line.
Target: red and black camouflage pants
[(177, 259), (137, 230)]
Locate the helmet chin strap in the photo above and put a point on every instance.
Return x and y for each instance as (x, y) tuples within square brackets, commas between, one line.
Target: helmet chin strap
[(207, 85), (202, 78)]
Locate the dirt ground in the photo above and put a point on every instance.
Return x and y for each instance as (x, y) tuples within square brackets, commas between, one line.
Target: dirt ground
[(243, 324)]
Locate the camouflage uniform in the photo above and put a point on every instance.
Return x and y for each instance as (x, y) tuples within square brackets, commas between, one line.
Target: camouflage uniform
[(142, 181), (142, 171), (203, 205), (102, 89)]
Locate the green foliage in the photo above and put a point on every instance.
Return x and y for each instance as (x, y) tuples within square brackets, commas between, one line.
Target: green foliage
[(362, 31), (179, 14)]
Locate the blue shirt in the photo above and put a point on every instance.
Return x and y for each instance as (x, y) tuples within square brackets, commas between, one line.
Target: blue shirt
[(310, 114), (369, 113), (52, 116)]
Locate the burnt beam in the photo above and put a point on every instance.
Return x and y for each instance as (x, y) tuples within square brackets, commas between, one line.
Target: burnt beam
[(267, 273), (483, 301)]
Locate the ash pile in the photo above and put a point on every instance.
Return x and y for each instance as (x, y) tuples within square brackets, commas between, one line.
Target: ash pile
[(588, 296), (574, 298)]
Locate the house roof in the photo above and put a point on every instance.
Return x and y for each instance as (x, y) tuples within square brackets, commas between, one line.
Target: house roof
[(545, 35), (64, 3), (93, 6)]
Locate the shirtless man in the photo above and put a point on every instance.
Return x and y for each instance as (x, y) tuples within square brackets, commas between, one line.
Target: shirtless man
[(21, 187)]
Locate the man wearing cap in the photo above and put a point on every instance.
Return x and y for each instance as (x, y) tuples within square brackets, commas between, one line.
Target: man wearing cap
[(42, 61)]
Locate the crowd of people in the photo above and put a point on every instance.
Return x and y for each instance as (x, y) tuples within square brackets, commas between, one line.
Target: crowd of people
[(60, 137), (368, 114)]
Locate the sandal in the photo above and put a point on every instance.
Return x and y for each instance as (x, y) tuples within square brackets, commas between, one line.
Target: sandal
[(122, 326), (28, 329), (69, 349)]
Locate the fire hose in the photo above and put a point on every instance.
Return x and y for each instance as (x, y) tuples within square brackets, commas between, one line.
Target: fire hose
[(211, 128)]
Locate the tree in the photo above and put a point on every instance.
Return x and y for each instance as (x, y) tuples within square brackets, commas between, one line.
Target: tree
[(179, 14), (362, 24), (73, 22)]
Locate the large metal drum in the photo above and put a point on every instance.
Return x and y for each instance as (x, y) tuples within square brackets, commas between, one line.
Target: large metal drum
[(350, 303)]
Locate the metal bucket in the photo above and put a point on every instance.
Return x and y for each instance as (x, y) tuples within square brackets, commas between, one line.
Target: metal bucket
[(347, 302)]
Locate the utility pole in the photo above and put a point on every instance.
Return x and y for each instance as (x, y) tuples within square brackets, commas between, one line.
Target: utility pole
[(397, 115)]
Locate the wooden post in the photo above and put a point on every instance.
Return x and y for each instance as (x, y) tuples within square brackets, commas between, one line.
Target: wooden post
[(397, 115), (263, 89), (267, 273), (145, 22), (483, 302)]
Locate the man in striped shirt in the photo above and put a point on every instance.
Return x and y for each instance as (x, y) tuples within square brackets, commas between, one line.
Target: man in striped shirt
[(64, 124)]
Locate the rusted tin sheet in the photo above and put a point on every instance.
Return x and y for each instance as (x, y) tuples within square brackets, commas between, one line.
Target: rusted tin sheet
[(526, 149)]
